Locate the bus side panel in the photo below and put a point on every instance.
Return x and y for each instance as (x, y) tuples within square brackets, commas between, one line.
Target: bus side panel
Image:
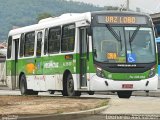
[(27, 66), (55, 66)]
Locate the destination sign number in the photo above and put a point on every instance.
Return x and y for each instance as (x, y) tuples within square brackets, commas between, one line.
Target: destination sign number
[(110, 19)]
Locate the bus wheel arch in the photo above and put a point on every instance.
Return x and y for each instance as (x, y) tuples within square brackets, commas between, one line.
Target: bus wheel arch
[(23, 86), (65, 74), (68, 85), (20, 75)]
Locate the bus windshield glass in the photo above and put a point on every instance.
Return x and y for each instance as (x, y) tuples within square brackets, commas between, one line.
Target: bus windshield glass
[(122, 44)]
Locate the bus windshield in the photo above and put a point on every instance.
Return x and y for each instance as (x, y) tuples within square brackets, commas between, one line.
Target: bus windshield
[(123, 44)]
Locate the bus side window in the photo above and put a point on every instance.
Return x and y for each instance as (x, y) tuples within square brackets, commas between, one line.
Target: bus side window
[(46, 42), (22, 45), (9, 49), (39, 42), (54, 39), (29, 44), (68, 38)]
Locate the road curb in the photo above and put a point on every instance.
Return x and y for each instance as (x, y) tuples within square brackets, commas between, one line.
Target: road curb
[(91, 111), (85, 112)]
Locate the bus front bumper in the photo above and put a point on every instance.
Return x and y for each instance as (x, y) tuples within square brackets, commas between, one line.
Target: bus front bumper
[(102, 84)]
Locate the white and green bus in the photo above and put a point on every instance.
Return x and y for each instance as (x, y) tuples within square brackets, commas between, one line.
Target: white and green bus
[(84, 52)]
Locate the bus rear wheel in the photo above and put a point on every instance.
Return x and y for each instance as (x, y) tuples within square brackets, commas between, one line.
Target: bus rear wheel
[(23, 87), (91, 92), (124, 94), (68, 89), (51, 92)]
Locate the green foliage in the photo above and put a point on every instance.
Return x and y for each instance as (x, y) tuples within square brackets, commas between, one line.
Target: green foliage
[(43, 16), (25, 12)]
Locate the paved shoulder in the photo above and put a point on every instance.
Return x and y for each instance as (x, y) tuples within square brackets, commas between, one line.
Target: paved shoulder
[(134, 105)]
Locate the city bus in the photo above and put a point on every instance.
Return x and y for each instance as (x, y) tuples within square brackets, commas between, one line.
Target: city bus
[(84, 52)]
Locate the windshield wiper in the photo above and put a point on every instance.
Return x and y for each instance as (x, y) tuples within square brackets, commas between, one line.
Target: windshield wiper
[(131, 38), (130, 41), (113, 32), (118, 37), (134, 34)]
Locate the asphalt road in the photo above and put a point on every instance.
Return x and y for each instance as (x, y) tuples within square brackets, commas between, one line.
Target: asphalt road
[(98, 117), (136, 105)]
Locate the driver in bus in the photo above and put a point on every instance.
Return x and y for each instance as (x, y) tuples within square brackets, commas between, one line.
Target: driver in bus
[(147, 42)]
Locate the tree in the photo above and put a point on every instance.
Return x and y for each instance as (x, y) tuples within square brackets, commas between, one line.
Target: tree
[(43, 16)]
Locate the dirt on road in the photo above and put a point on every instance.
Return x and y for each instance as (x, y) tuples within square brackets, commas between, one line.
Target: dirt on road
[(23, 105)]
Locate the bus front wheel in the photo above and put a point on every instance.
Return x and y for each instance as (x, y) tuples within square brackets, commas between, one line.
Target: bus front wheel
[(23, 87), (68, 89), (124, 94)]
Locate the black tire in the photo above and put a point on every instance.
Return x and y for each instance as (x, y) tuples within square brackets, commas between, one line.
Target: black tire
[(91, 92), (51, 92), (68, 89), (124, 94), (31, 92), (23, 87), (64, 92)]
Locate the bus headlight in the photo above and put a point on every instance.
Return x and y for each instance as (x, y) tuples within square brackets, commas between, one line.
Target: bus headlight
[(152, 72), (99, 72)]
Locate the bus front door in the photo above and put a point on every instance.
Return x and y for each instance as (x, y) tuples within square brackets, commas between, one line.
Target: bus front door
[(83, 57), (15, 64)]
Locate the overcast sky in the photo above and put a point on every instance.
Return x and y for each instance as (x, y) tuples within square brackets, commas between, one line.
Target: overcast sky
[(149, 6)]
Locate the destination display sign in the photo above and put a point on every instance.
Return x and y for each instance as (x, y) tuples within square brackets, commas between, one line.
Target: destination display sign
[(113, 19)]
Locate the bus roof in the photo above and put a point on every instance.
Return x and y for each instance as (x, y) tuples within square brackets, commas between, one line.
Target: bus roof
[(51, 22)]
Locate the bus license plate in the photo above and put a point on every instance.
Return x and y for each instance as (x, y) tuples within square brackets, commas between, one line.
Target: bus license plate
[(127, 86)]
